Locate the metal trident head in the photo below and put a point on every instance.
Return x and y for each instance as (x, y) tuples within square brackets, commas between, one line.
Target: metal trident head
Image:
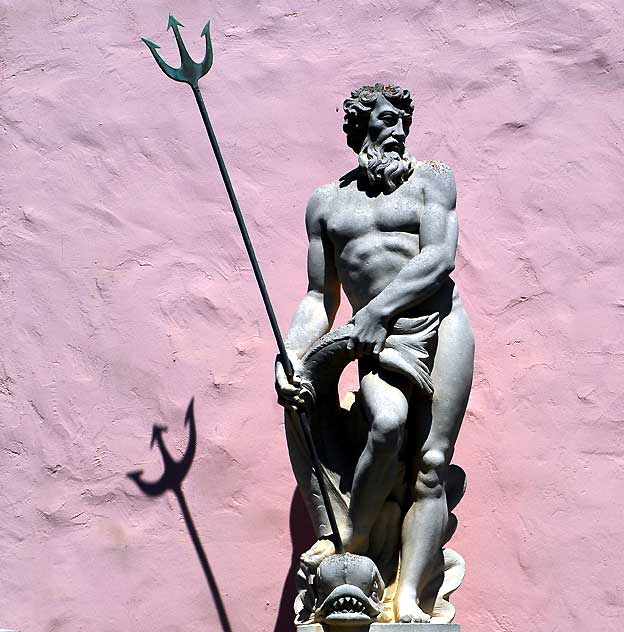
[(190, 71)]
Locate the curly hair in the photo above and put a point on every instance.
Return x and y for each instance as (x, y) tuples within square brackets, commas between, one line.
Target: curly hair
[(358, 107)]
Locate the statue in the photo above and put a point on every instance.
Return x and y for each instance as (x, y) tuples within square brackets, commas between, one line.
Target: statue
[(376, 468), (387, 233)]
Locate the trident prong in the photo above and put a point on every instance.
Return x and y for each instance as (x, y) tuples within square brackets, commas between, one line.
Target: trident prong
[(189, 71)]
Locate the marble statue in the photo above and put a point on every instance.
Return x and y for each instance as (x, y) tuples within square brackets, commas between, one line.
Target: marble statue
[(386, 232)]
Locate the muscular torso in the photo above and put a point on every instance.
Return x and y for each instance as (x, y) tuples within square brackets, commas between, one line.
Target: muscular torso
[(373, 238)]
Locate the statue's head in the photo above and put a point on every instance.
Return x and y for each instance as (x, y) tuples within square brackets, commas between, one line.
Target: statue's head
[(377, 121)]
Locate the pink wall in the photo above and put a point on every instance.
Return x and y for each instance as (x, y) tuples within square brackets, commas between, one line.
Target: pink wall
[(125, 290)]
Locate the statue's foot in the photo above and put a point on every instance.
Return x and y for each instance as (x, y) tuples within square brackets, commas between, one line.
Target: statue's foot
[(408, 611), (316, 554)]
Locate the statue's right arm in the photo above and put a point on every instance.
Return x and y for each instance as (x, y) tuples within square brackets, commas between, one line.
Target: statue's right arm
[(315, 314)]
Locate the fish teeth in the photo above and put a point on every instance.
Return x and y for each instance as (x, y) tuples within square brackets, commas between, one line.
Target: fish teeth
[(348, 604)]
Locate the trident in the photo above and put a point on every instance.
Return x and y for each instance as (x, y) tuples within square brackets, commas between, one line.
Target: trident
[(191, 72)]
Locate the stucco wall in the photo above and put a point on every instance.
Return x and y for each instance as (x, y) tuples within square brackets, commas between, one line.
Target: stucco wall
[(125, 290)]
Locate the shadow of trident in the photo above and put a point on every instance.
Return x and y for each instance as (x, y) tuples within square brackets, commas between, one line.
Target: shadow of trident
[(172, 477)]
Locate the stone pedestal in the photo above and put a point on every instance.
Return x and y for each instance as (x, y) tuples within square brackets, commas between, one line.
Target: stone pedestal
[(382, 627)]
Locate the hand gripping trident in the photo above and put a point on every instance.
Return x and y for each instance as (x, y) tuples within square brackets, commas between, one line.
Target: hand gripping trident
[(191, 72)]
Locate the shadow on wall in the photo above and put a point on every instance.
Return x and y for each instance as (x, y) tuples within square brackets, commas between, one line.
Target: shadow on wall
[(302, 537), (173, 475), (301, 531)]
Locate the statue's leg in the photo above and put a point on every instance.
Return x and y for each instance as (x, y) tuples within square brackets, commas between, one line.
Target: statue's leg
[(385, 398), (425, 523)]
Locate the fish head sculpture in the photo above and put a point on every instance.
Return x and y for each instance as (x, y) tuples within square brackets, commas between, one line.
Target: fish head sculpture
[(349, 590)]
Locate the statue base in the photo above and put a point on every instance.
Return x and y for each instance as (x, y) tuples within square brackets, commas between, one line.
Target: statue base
[(381, 627)]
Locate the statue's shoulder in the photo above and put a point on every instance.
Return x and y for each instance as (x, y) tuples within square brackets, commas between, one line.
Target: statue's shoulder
[(435, 172), (321, 201), (438, 180)]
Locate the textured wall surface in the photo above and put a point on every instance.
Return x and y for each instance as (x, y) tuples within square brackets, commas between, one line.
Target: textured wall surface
[(125, 290)]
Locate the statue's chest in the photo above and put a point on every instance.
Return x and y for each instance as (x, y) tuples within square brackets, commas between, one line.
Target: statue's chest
[(356, 217)]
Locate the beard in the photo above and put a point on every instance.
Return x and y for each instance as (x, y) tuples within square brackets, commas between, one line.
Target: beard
[(387, 169)]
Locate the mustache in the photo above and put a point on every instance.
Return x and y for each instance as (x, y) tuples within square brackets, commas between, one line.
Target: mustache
[(393, 142)]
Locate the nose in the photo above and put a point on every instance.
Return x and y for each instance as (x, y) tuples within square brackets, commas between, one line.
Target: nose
[(399, 132)]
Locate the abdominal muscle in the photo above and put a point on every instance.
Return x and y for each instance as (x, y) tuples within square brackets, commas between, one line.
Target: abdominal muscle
[(368, 264)]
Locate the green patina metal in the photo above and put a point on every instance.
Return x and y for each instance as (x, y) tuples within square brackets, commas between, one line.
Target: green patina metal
[(191, 72)]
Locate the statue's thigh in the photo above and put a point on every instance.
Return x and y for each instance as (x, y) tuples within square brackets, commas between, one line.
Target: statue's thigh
[(385, 396), (452, 379)]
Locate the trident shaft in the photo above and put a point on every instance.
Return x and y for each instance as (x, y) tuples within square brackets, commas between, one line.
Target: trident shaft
[(191, 72)]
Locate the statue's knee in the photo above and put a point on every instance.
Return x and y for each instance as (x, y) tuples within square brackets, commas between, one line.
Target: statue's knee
[(432, 474), (386, 433)]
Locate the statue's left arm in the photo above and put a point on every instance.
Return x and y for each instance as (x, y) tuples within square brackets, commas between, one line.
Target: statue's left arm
[(425, 273)]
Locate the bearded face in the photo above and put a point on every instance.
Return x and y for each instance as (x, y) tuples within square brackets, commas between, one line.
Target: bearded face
[(383, 156)]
